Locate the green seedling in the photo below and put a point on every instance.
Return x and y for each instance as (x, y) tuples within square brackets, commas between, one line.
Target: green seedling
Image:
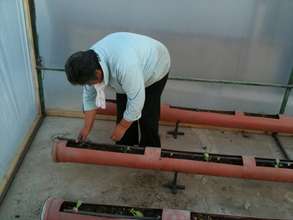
[(126, 149), (206, 156), (76, 207), (136, 213), (277, 164)]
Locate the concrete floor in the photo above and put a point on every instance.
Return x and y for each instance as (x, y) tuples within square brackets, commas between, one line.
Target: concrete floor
[(39, 177)]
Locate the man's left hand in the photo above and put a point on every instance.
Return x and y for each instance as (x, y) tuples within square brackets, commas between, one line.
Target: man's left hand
[(118, 133), (120, 130)]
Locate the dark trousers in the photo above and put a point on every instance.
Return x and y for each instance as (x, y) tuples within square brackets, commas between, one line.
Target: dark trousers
[(149, 121)]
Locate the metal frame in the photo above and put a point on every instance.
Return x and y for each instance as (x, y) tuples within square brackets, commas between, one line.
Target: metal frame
[(287, 94), (37, 57)]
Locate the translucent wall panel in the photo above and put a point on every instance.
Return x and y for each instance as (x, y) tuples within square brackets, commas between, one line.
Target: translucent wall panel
[(18, 102), (59, 94), (224, 97), (227, 39)]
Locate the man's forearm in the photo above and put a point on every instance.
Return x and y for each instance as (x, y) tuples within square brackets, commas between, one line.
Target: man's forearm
[(125, 124), (120, 129), (89, 119)]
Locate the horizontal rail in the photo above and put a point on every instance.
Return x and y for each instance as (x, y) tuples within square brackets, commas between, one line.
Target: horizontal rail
[(231, 82)]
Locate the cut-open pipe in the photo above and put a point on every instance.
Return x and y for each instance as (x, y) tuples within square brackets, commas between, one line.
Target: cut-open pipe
[(246, 167), (237, 120), (58, 209)]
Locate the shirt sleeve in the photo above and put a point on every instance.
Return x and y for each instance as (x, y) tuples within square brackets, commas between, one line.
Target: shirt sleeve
[(132, 83), (89, 95)]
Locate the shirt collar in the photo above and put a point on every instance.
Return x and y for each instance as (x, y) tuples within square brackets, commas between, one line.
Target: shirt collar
[(105, 69)]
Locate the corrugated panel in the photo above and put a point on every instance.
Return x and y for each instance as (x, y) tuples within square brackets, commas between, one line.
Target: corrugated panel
[(18, 106), (247, 40), (59, 94)]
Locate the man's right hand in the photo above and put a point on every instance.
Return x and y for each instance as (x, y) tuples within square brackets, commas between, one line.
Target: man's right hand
[(88, 124), (83, 134)]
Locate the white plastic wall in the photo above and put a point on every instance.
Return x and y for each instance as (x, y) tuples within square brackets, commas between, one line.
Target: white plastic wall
[(247, 40), (18, 107)]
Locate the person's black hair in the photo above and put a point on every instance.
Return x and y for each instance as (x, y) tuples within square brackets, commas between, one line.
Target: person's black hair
[(81, 67)]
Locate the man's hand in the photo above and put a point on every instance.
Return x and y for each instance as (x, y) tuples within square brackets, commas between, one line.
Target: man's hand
[(118, 133), (89, 119), (120, 130), (83, 134)]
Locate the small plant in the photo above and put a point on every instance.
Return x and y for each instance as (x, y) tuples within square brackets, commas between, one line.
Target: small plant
[(126, 149), (76, 207), (277, 164), (136, 213), (206, 156)]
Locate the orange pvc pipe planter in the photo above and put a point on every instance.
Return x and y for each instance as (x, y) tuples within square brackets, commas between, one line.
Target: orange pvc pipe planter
[(152, 159), (53, 209), (283, 124)]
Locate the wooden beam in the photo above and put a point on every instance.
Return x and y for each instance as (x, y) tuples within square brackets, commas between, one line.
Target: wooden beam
[(75, 114), (30, 43)]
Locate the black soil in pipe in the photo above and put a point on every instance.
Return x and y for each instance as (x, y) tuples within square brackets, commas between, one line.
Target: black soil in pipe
[(112, 211), (261, 115), (105, 147), (109, 211), (204, 110), (202, 216), (207, 157), (277, 163), (195, 156)]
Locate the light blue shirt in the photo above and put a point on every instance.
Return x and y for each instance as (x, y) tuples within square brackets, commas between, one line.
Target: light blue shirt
[(130, 62)]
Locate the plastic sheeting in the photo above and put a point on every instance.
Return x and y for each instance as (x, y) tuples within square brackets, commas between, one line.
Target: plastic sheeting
[(247, 40), (18, 106), (59, 94), (62, 95)]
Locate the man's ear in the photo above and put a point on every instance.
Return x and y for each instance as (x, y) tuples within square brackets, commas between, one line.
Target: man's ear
[(99, 75)]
